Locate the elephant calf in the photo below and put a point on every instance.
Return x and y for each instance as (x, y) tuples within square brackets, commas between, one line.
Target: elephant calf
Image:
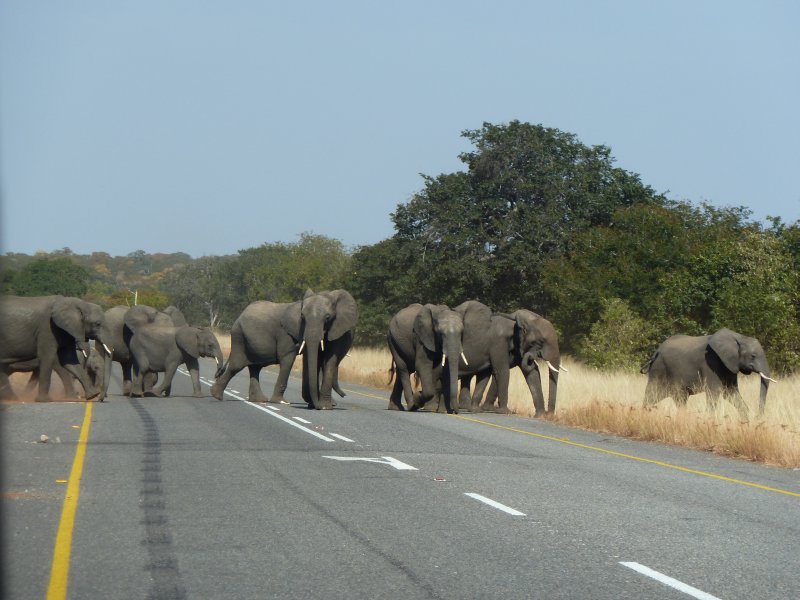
[(159, 348), (684, 365)]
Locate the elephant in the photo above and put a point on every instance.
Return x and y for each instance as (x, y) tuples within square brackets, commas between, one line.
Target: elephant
[(422, 340), (528, 337), (175, 314), (91, 362), (163, 348), (49, 329), (269, 333), (120, 323), (684, 365)]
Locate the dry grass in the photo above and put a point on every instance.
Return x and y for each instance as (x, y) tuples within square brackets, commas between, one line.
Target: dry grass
[(611, 402)]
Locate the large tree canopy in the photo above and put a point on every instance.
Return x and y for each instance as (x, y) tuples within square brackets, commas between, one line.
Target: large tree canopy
[(47, 276), (488, 231)]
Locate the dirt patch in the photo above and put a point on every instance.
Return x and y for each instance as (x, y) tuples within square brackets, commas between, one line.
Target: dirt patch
[(19, 382)]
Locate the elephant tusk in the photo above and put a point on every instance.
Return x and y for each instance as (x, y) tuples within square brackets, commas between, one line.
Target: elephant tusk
[(551, 367), (302, 345), (464, 358), (563, 369), (108, 350), (767, 378), (322, 345), (444, 358), (84, 354)]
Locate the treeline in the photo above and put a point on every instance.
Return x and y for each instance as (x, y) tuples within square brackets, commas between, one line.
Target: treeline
[(536, 220)]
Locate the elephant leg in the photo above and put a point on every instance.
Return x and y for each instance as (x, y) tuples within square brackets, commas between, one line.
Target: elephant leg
[(254, 393), (653, 393), (477, 402), (6, 391), (45, 374), (464, 397), (137, 375), (127, 379), (285, 369), (736, 399), (395, 397), (534, 380), (328, 372), (221, 382), (66, 381), (680, 396), (485, 381), (194, 373), (69, 362)]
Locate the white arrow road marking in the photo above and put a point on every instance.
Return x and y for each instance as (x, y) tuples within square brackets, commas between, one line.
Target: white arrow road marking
[(383, 460), (673, 583), (497, 505)]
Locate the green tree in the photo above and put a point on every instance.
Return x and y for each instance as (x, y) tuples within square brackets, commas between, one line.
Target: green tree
[(283, 272), (46, 276), (204, 291), (527, 191), (619, 339)]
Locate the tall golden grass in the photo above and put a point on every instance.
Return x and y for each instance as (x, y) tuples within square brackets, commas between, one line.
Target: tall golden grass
[(611, 402)]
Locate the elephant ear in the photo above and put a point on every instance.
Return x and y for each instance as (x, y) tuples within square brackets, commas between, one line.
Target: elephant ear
[(140, 315), (188, 340), (66, 315), (291, 320), (423, 327), (725, 344), (345, 313), (477, 318)]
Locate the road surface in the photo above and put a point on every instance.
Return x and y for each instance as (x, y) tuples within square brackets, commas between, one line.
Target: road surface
[(188, 497)]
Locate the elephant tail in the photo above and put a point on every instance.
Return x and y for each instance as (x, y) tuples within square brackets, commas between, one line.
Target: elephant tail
[(392, 373), (646, 366)]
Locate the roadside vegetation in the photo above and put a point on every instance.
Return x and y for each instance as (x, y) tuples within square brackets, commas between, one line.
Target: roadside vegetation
[(535, 219), (610, 401)]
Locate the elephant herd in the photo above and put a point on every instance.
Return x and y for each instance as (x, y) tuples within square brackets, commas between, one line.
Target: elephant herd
[(52, 333), (446, 348)]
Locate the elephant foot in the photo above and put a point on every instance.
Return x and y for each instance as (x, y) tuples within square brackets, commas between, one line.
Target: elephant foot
[(393, 406), (43, 399), (94, 395), (277, 400), (217, 391)]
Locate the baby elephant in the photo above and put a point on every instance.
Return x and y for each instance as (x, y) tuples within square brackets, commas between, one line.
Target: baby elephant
[(685, 365), (162, 348)]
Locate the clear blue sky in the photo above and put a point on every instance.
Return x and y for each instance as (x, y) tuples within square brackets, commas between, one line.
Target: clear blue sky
[(207, 127)]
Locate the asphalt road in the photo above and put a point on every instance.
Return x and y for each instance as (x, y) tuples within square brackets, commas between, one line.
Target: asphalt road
[(187, 497)]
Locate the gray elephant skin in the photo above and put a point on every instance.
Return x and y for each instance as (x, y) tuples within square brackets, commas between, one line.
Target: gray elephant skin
[(684, 365), (163, 348), (48, 329), (424, 340), (525, 338), (120, 323), (91, 362), (321, 326)]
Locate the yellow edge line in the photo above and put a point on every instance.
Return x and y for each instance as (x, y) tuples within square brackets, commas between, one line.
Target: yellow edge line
[(613, 453), (636, 458), (59, 572)]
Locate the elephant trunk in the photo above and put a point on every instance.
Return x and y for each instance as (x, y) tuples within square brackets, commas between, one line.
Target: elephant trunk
[(107, 360), (220, 362), (452, 351), (313, 339), (762, 398), (554, 366)]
